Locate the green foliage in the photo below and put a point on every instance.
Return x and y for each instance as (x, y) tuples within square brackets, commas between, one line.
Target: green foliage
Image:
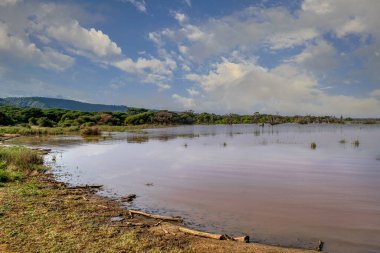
[(10, 176), (140, 118), (48, 118), (44, 122)]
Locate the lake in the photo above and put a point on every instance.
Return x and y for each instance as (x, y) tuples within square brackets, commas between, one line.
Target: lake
[(266, 182)]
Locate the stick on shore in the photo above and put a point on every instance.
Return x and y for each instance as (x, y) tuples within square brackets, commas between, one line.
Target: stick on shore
[(214, 236), (154, 216)]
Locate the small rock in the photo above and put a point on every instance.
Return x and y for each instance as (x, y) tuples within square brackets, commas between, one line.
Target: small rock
[(129, 198), (320, 246), (116, 218)]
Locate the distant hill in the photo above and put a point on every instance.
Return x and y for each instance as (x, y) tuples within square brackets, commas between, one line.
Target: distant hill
[(46, 103)]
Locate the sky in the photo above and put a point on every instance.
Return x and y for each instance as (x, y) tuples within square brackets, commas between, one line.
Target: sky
[(304, 57)]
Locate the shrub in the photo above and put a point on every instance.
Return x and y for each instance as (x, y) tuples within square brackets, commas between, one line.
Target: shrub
[(44, 122), (90, 131), (313, 145)]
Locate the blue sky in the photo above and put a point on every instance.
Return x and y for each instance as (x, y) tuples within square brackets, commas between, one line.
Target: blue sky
[(290, 57)]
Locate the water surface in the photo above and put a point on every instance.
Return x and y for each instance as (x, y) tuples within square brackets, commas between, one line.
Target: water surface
[(244, 179)]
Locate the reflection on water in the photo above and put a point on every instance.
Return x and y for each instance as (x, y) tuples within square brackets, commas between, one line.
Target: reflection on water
[(263, 181)]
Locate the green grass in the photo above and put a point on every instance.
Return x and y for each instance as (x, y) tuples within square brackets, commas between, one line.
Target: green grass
[(10, 176), (16, 162), (31, 188), (90, 131), (21, 130)]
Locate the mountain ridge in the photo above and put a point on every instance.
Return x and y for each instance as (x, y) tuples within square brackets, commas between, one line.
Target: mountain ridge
[(48, 103)]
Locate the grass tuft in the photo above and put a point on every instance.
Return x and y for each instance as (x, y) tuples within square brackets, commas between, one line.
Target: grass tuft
[(15, 162), (313, 145), (356, 143), (90, 131)]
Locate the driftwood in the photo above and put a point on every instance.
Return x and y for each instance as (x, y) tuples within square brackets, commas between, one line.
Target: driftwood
[(85, 186), (214, 236), (159, 217), (242, 239), (202, 234)]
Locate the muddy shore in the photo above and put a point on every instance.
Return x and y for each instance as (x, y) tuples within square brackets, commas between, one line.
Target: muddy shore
[(43, 215)]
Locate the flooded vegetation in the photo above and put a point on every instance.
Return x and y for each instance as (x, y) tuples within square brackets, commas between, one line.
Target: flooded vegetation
[(265, 182)]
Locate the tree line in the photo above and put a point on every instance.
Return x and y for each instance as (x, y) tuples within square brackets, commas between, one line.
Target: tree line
[(11, 116)]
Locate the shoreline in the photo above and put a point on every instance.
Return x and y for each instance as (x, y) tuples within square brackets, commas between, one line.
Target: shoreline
[(107, 214)]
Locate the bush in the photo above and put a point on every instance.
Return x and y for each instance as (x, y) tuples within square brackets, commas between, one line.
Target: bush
[(45, 122), (90, 131)]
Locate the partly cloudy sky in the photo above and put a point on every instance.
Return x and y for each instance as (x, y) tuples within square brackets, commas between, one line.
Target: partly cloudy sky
[(317, 57)]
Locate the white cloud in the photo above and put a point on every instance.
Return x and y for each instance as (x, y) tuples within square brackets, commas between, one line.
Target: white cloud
[(193, 92), (246, 87), (291, 39), (183, 49), (139, 5), (155, 37), (187, 103), (163, 86), (82, 41), (9, 2), (224, 74), (277, 28), (152, 70), (375, 93), (180, 17), (317, 6), (29, 53), (352, 26), (319, 58)]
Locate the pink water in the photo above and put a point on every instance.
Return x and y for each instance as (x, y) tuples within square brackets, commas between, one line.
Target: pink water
[(244, 179)]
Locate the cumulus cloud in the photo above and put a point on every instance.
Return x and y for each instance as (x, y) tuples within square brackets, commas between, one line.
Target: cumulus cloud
[(354, 25), (319, 58), (84, 41), (29, 53), (193, 92), (150, 70), (187, 103), (246, 87)]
